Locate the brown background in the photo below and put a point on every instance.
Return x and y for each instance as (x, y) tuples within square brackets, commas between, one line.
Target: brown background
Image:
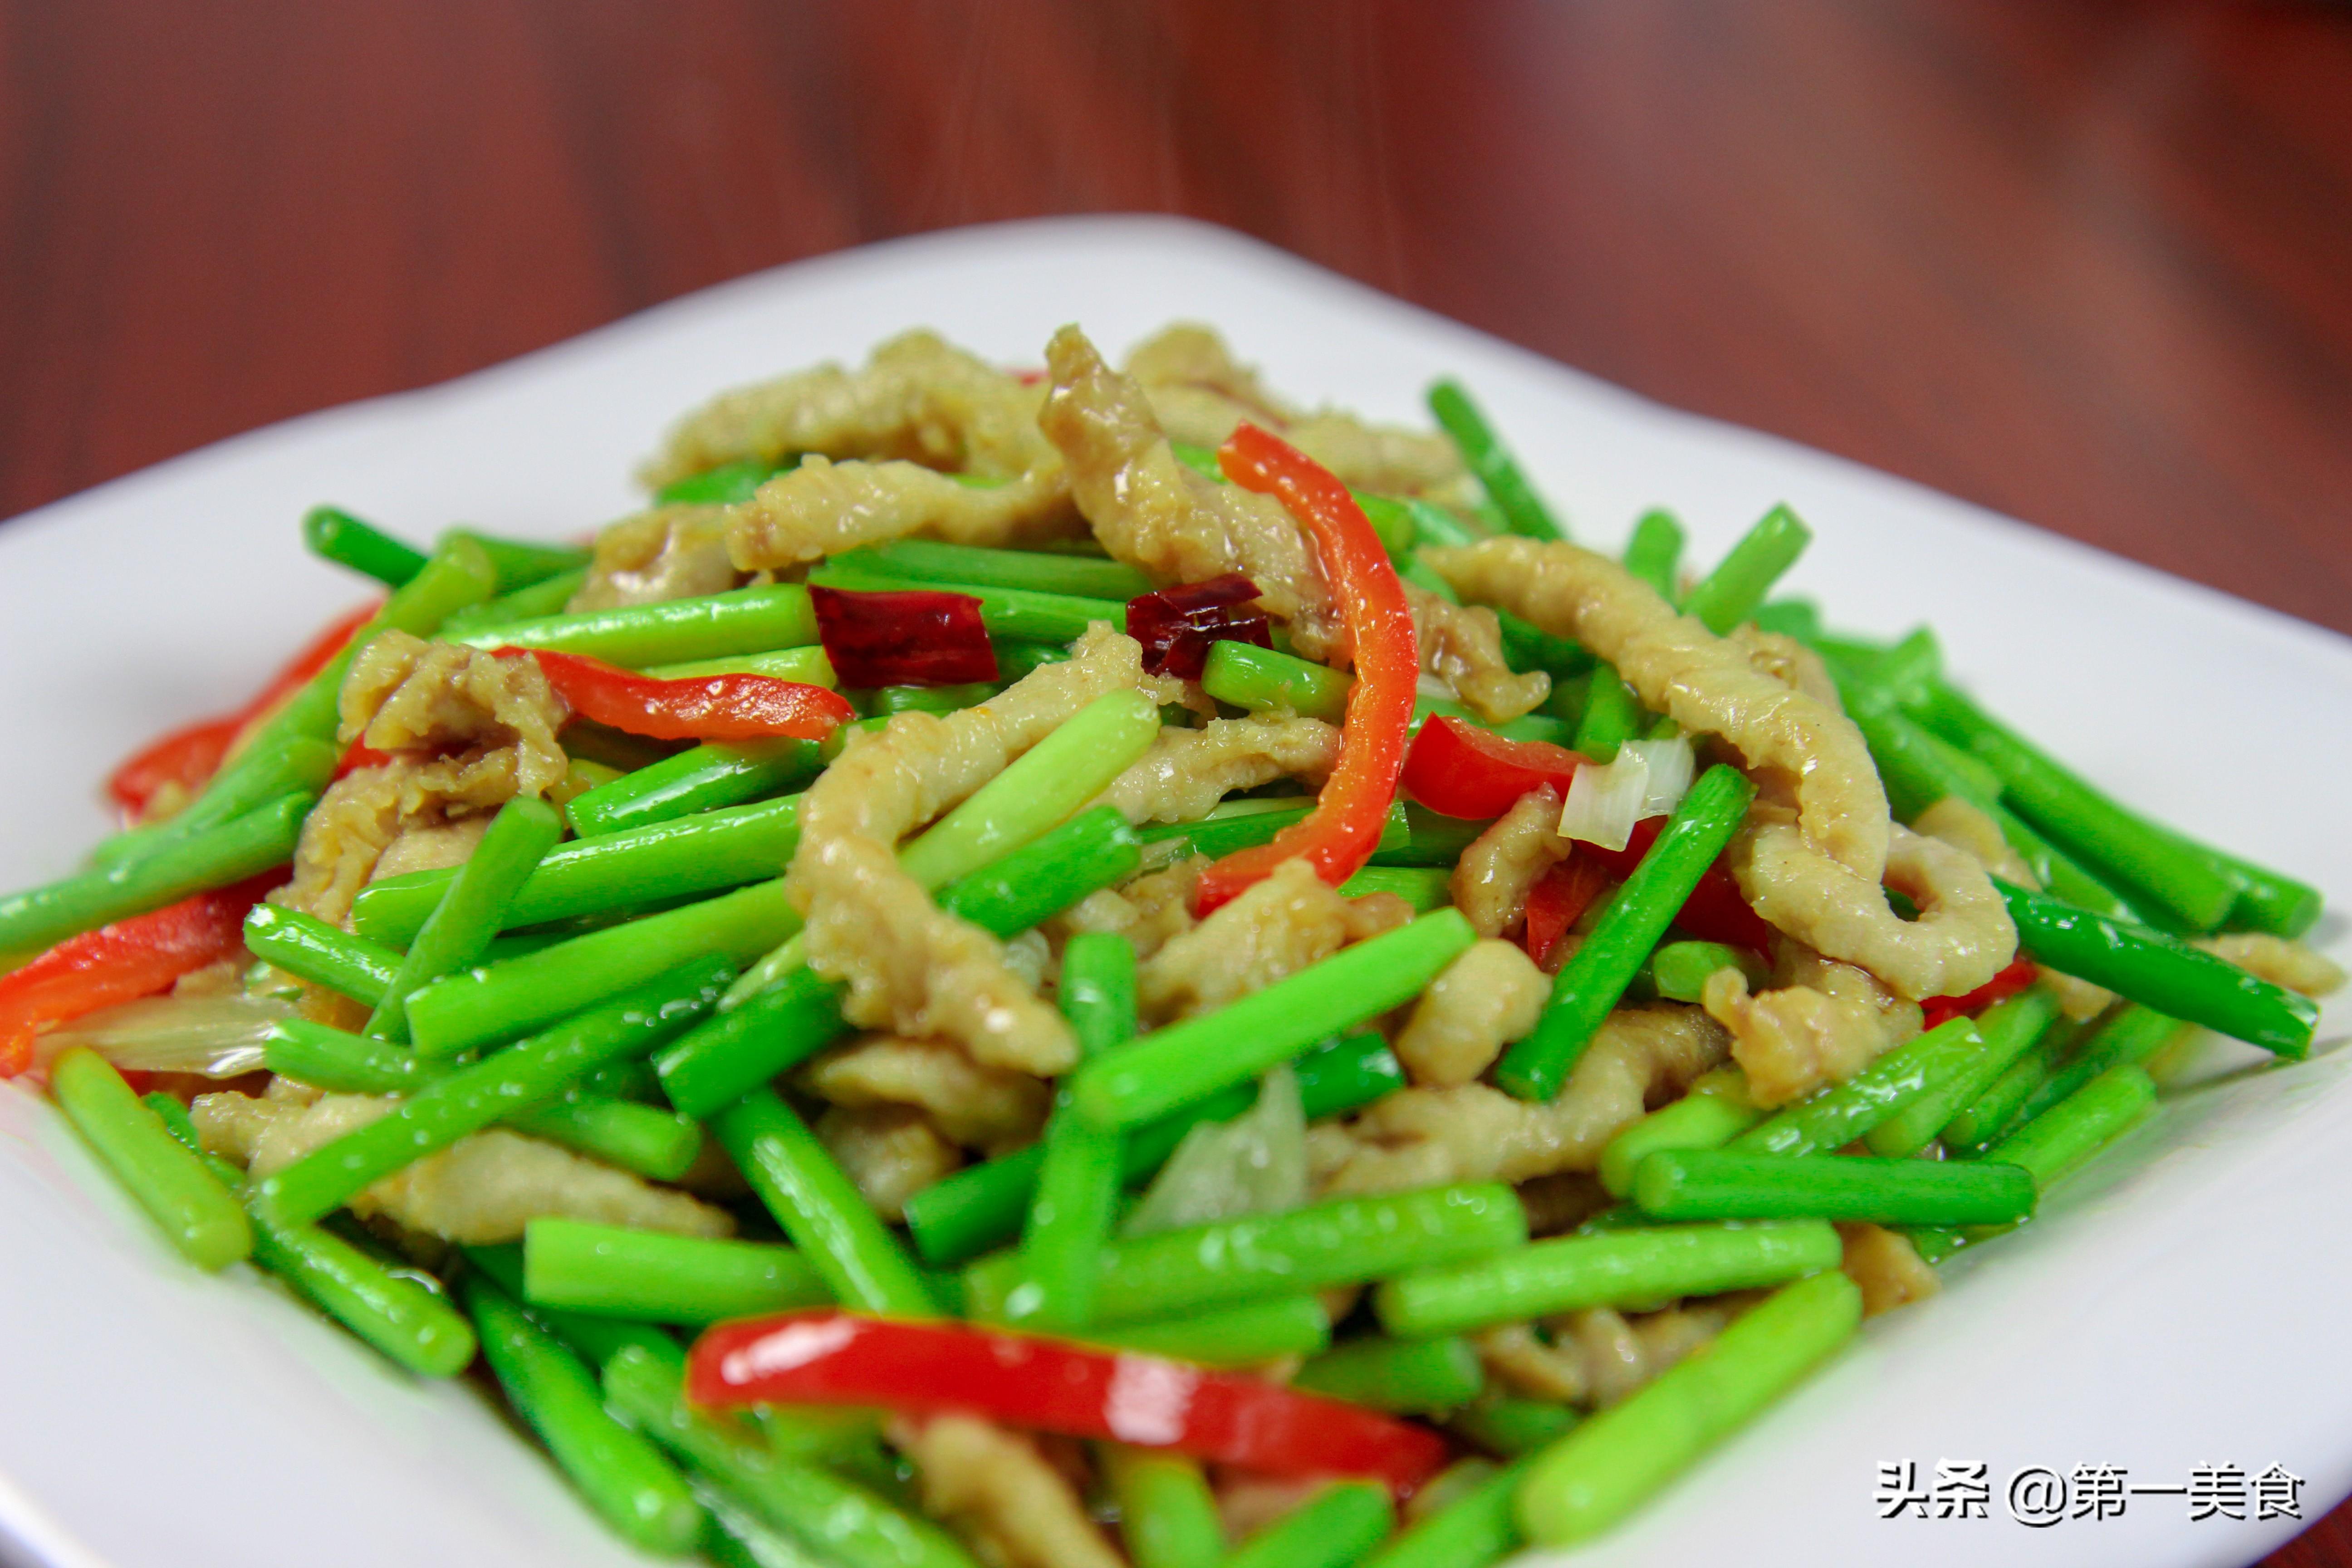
[(2087, 263)]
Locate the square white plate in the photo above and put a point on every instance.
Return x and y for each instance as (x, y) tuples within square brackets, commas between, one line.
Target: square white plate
[(2179, 1304)]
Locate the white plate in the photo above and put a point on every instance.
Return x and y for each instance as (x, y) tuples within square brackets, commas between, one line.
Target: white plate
[(2180, 1304)]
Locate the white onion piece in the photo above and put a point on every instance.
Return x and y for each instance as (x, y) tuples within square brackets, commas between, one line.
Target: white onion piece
[(219, 1037), (1604, 803), (1255, 1164), (1672, 765), (1027, 955), (1648, 779)]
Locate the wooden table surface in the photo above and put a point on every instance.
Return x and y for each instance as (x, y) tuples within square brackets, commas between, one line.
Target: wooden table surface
[(2090, 264)]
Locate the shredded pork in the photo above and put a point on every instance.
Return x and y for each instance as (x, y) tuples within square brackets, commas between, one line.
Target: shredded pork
[(488, 723), (1527, 1363), (1640, 1058), (1820, 1023), (1198, 392), (1788, 661), (480, 1190), (2278, 961), (1622, 1355), (912, 968), (1147, 911), (668, 553), (2078, 999), (1480, 1003), (918, 399), (890, 1151), (1156, 514), (1187, 772), (1967, 828), (1502, 866), (352, 830), (1274, 929), (1811, 867), (822, 508), (1002, 1494), (1962, 937), (1704, 683), (1599, 1356), (465, 731), (1462, 645), (421, 846), (983, 1108), (1888, 1270)]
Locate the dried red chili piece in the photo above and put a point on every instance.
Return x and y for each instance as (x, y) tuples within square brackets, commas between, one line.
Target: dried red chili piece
[(1177, 625), (916, 637)]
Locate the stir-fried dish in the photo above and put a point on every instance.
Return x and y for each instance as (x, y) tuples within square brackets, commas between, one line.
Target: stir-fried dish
[(1083, 967)]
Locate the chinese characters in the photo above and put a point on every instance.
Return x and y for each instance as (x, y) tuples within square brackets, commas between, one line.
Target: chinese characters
[(2040, 1497)]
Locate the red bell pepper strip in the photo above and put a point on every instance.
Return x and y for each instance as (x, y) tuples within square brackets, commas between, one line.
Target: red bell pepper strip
[(186, 757), (1714, 912), (356, 756), (1458, 769), (1555, 901), (189, 756), (2020, 973), (1052, 1385), (706, 708), (917, 637), (1340, 835), (122, 962)]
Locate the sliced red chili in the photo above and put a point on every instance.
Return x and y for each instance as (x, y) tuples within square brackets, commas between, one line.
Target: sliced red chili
[(1339, 835), (2020, 973), (185, 757), (1458, 769), (915, 638), (1714, 912), (122, 962), (190, 755), (1051, 1386), (356, 756), (704, 708), (1557, 900), (1177, 625)]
